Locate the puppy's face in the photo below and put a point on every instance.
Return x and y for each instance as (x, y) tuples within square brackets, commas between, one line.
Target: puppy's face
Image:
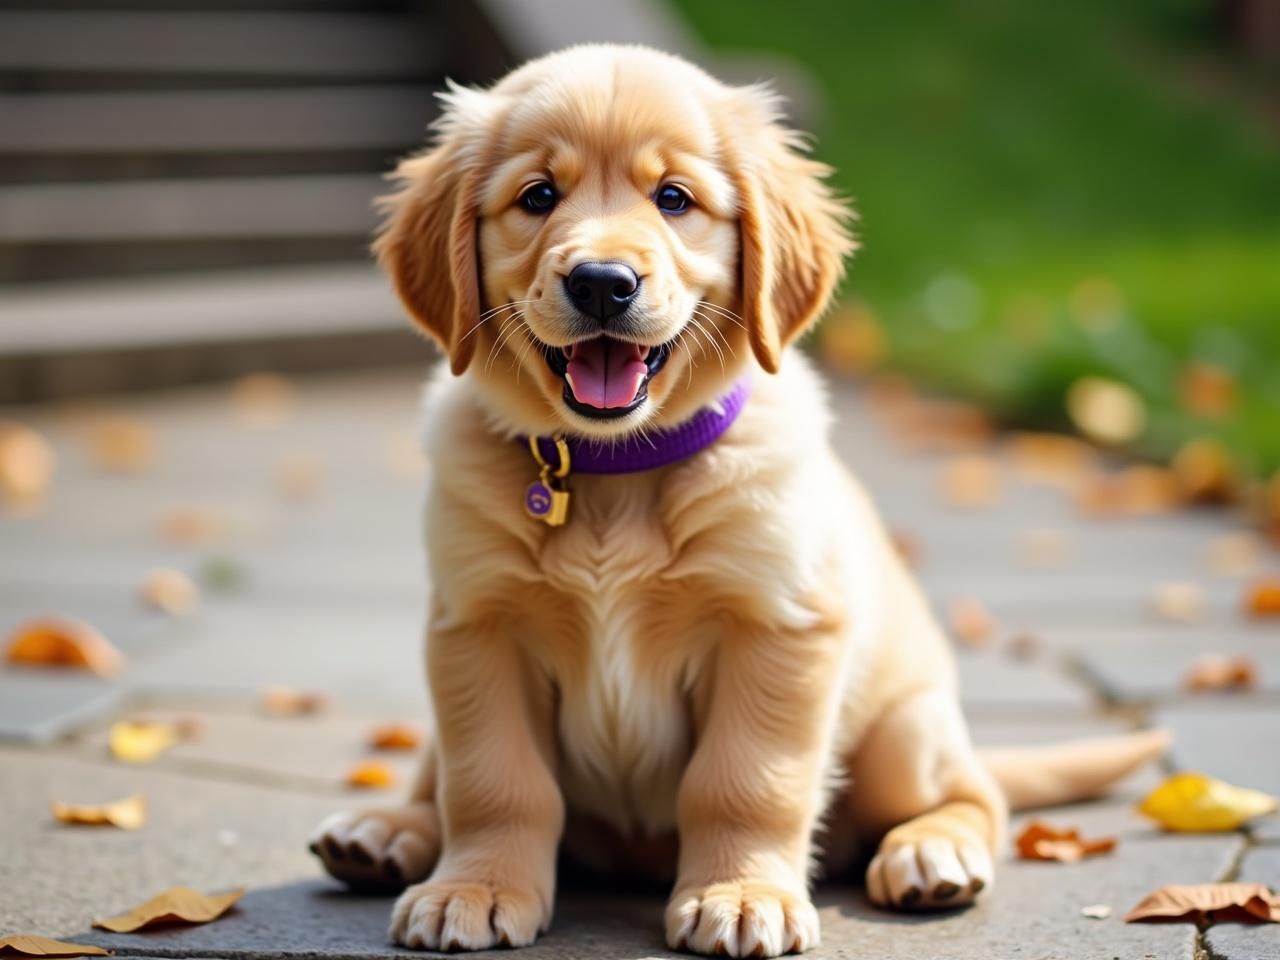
[(607, 236)]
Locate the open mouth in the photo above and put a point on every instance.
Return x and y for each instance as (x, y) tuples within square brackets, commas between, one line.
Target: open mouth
[(605, 378)]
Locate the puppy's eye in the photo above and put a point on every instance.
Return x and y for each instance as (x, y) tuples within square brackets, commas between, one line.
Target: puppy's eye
[(539, 197), (672, 199)]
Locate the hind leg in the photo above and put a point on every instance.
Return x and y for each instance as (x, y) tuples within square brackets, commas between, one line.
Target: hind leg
[(387, 847), (918, 786)]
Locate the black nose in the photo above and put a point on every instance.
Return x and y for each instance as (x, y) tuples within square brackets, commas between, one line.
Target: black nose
[(602, 290)]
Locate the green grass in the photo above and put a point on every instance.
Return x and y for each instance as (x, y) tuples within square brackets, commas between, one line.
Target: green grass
[(1001, 153)]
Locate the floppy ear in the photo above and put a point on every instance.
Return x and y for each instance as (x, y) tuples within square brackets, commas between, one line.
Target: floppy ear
[(427, 243), (794, 231)]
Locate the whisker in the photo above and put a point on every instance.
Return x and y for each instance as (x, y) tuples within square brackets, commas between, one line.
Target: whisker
[(723, 312), (492, 312), (697, 325), (720, 333), (509, 327)]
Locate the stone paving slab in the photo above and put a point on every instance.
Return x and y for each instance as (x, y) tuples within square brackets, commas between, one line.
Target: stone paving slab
[(1149, 672), (991, 680), (312, 752), (39, 706), (1238, 941)]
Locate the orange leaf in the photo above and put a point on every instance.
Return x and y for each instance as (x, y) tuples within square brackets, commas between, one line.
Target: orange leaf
[(394, 736), (971, 623), (26, 464), (122, 445), (169, 591), (1263, 598), (63, 642), (175, 905), (30, 945), (1216, 672), (1039, 841), (371, 776), (971, 481), (1209, 902), (127, 814), (288, 702)]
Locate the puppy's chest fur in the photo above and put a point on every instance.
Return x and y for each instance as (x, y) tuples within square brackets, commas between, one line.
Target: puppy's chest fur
[(636, 638)]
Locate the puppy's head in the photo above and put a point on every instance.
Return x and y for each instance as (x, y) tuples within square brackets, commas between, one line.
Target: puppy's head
[(608, 235)]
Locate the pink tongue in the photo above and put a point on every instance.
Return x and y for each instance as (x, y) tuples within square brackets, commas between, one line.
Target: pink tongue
[(606, 373)]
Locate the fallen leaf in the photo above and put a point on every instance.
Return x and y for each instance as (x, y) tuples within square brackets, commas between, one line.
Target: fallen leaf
[(121, 445), (191, 525), (1209, 903), (298, 477), (971, 622), (1195, 803), (1204, 471), (1237, 554), (142, 741), (175, 905), (394, 736), (1179, 602), (63, 642), (1049, 458), (170, 591), (286, 701), (1263, 598), (1214, 672), (127, 814), (1025, 646), (942, 426), (262, 401), (30, 945), (1139, 490), (1042, 548), (972, 481), (1106, 411), (853, 342), (1039, 841), (908, 547), (26, 465), (1207, 390), (1096, 911), (371, 776)]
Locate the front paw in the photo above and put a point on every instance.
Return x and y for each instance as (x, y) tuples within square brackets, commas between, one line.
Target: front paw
[(380, 848), (745, 919), (463, 915), (928, 873)]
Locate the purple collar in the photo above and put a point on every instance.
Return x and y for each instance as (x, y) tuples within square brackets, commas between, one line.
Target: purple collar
[(657, 449)]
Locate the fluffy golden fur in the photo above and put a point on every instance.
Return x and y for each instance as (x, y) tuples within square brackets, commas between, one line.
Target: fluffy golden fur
[(712, 663)]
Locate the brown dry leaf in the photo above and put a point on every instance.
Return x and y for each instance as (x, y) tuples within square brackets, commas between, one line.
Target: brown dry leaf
[(972, 481), (1205, 472), (1039, 841), (31, 945), (27, 463), (971, 623), (853, 342), (1043, 548), (394, 736), (63, 642), (121, 445), (298, 477), (1214, 672), (175, 905), (371, 776), (170, 591), (1049, 458), (1207, 390), (1139, 490), (908, 547), (142, 741), (1179, 602), (262, 401), (288, 702), (1263, 598), (1209, 903), (127, 814), (941, 426), (1236, 554), (1106, 411), (192, 525)]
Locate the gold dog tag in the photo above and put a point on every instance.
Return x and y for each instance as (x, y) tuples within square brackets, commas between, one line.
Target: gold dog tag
[(545, 499)]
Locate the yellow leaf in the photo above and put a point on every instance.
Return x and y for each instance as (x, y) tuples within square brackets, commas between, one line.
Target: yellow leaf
[(1195, 803), (175, 905), (30, 945), (141, 741), (127, 814), (371, 776)]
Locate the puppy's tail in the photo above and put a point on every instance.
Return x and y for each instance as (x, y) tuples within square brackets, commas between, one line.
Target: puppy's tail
[(1066, 772)]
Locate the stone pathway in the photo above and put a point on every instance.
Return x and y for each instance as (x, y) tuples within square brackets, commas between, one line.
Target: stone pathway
[(331, 597)]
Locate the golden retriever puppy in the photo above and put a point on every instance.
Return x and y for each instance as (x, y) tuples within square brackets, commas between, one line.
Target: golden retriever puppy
[(691, 646)]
